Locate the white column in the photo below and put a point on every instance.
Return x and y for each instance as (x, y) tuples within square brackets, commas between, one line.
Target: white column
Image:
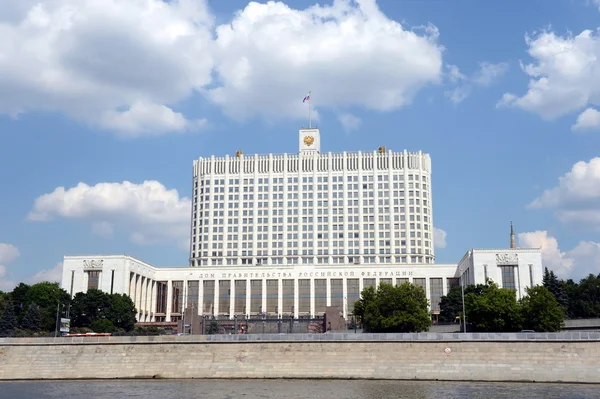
[(518, 282), (200, 298), (345, 297), (169, 299), (138, 296), (428, 291), (86, 281), (153, 300), (279, 297), (312, 297), (231, 298), (328, 292), (264, 295), (216, 299), (248, 296), (296, 298), (144, 305)]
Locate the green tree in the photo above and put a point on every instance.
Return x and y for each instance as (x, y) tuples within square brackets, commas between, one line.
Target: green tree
[(31, 319), (121, 312), (541, 310), (393, 309), (102, 326), (4, 299), (212, 328), (589, 297), (573, 292), (47, 296), (8, 322), (494, 310), (89, 307), (451, 304), (556, 287), (17, 297), (86, 308)]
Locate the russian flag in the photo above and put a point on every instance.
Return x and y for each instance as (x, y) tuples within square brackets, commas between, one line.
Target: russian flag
[(307, 98)]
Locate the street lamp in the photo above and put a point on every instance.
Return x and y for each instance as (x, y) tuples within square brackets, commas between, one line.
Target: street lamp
[(462, 289), (184, 302)]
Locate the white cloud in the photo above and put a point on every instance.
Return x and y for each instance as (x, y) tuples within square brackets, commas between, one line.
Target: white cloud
[(576, 263), (576, 198), (483, 77), (458, 94), (8, 253), (103, 229), (489, 72), (148, 212), (564, 74), (89, 59), (145, 119), (348, 53), (439, 238), (454, 74), (349, 121), (552, 257), (53, 275), (123, 65), (587, 120)]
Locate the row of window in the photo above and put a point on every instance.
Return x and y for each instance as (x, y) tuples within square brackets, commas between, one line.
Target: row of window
[(308, 250), (382, 203), (206, 198), (313, 260), (311, 179), (257, 294), (320, 188)]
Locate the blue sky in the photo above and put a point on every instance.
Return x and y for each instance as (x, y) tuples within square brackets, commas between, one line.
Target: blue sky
[(96, 101)]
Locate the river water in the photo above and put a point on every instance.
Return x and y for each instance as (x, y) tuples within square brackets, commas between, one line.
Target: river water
[(281, 389)]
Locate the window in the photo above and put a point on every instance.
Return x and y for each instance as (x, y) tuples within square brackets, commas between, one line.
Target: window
[(531, 275), (304, 296), (93, 280), (337, 292), (255, 296), (224, 295), (208, 296), (288, 296), (320, 296), (419, 282), (272, 295), (435, 288), (508, 277)]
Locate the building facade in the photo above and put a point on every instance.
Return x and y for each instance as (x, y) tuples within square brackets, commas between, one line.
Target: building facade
[(312, 208), (292, 234)]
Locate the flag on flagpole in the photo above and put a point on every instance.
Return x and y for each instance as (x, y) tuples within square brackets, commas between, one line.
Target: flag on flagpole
[(307, 98)]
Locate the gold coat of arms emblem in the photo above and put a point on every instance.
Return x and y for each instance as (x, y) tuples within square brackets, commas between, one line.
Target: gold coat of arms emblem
[(309, 140)]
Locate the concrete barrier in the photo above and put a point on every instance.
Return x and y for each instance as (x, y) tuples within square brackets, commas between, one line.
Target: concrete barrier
[(460, 357)]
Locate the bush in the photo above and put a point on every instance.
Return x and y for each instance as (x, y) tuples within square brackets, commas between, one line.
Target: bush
[(102, 326), (391, 308)]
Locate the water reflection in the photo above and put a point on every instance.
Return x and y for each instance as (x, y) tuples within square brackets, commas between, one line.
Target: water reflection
[(281, 389)]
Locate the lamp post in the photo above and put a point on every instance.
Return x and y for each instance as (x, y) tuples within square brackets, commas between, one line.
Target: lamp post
[(462, 289), (192, 321), (57, 322), (184, 302)]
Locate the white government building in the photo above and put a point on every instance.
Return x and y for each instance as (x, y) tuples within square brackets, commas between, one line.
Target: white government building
[(293, 234)]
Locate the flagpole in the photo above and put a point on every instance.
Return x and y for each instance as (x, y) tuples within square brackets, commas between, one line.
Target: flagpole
[(309, 117)]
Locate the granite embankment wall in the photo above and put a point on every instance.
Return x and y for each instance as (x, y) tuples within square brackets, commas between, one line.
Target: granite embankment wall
[(562, 357)]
